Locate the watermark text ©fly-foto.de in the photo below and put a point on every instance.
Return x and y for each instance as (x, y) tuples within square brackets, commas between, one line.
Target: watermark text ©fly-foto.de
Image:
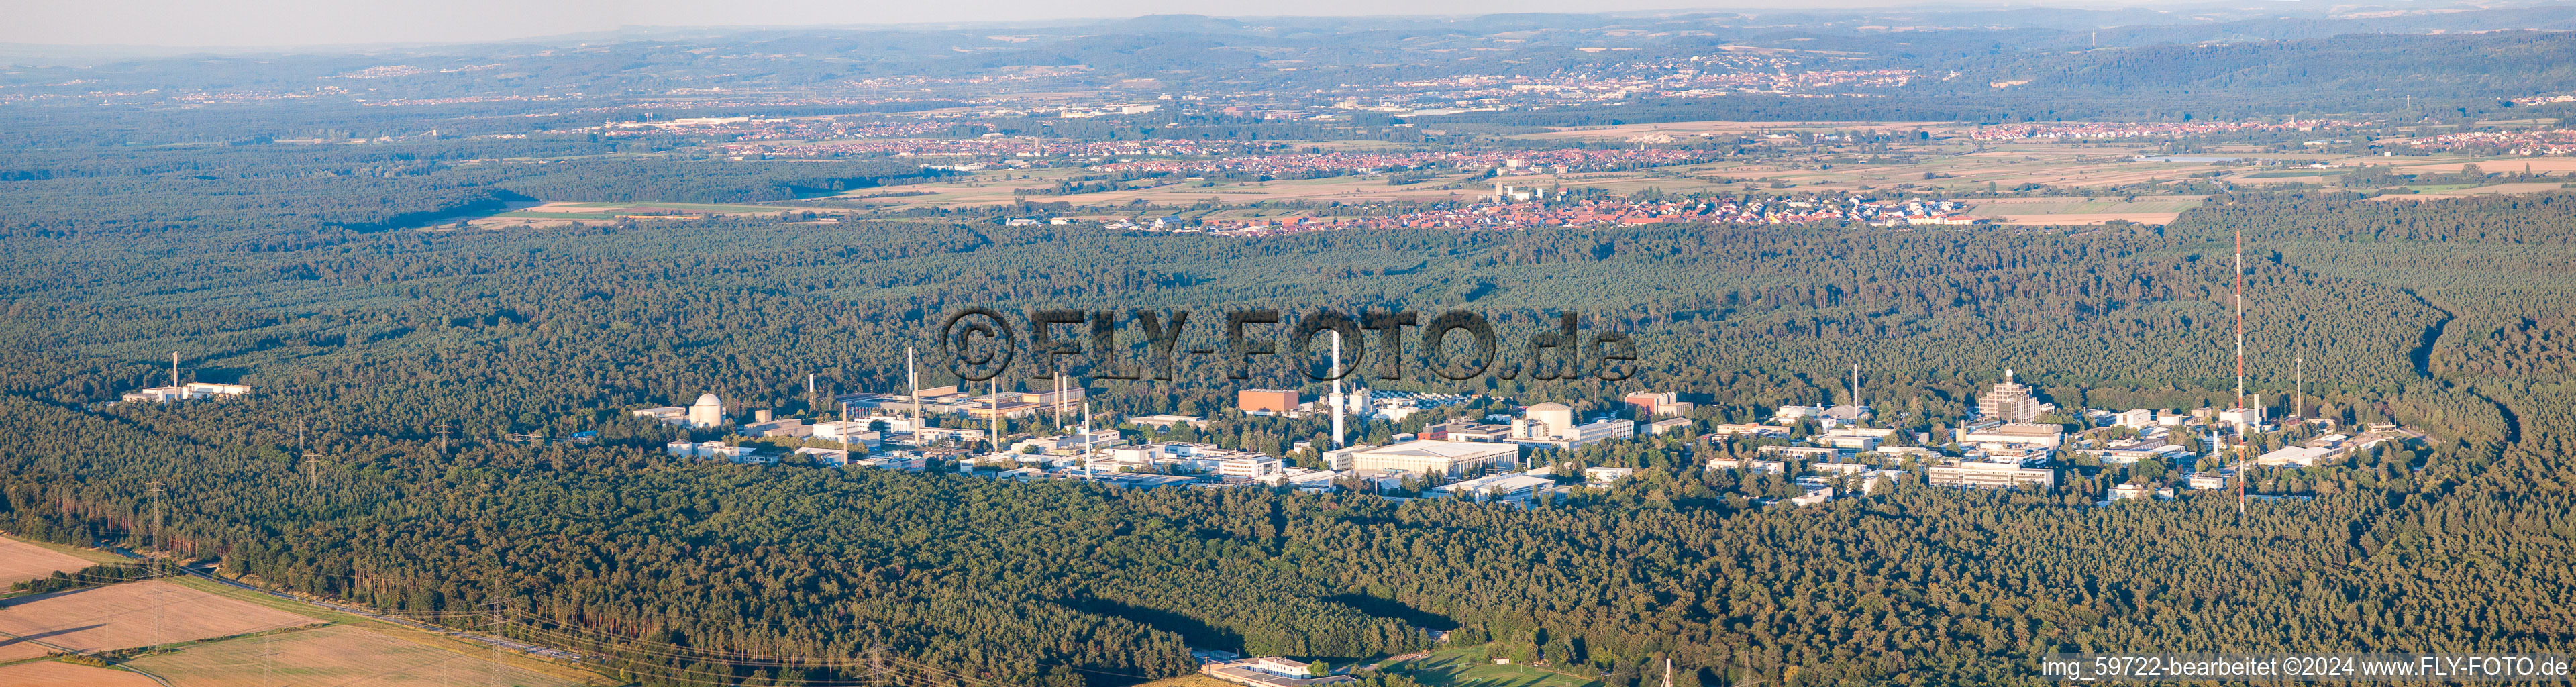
[(982, 343)]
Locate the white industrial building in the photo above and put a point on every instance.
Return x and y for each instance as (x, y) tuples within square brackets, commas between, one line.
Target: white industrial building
[(1451, 458)]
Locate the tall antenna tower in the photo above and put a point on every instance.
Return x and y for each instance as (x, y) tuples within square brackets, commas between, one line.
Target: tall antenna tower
[(993, 400), (2240, 319), (915, 374), (1337, 389), (174, 369), (2240, 369), (1086, 440), (2299, 370)]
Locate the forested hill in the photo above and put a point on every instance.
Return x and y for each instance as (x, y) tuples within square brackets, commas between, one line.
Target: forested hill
[(2444, 314)]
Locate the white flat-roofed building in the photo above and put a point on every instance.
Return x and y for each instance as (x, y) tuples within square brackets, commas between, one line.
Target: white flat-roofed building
[(1670, 425), (929, 435), (1249, 467), (834, 430), (1301, 479), (1799, 452), (2140, 418), (1790, 415), (2302, 456), (2208, 480), (1747, 430), (1607, 475), (1345, 457), (1771, 466), (1978, 474), (1846, 442), (1842, 468), (2050, 436), (1451, 458), (1507, 486), (669, 415)]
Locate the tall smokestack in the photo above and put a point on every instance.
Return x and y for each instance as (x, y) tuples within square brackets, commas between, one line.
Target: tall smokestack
[(1337, 389)]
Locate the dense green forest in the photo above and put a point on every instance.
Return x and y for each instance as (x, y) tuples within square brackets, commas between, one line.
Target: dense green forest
[(2442, 314)]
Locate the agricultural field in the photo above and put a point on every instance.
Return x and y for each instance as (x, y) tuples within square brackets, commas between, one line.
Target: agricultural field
[(22, 560), (556, 214), (133, 614), (60, 674), (1468, 667), (336, 655)]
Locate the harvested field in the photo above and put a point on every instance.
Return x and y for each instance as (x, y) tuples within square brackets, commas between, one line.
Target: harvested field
[(130, 615), (60, 674), (336, 655), (2537, 165), (22, 561), (2478, 191)]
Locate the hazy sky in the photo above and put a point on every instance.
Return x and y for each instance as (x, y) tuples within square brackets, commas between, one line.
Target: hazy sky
[(339, 22)]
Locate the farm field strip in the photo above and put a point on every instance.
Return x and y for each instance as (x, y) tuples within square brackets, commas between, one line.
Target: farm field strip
[(21, 561), (335, 655), (133, 614)]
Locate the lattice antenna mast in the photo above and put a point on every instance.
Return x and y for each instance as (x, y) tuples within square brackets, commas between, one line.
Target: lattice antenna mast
[(155, 492)]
